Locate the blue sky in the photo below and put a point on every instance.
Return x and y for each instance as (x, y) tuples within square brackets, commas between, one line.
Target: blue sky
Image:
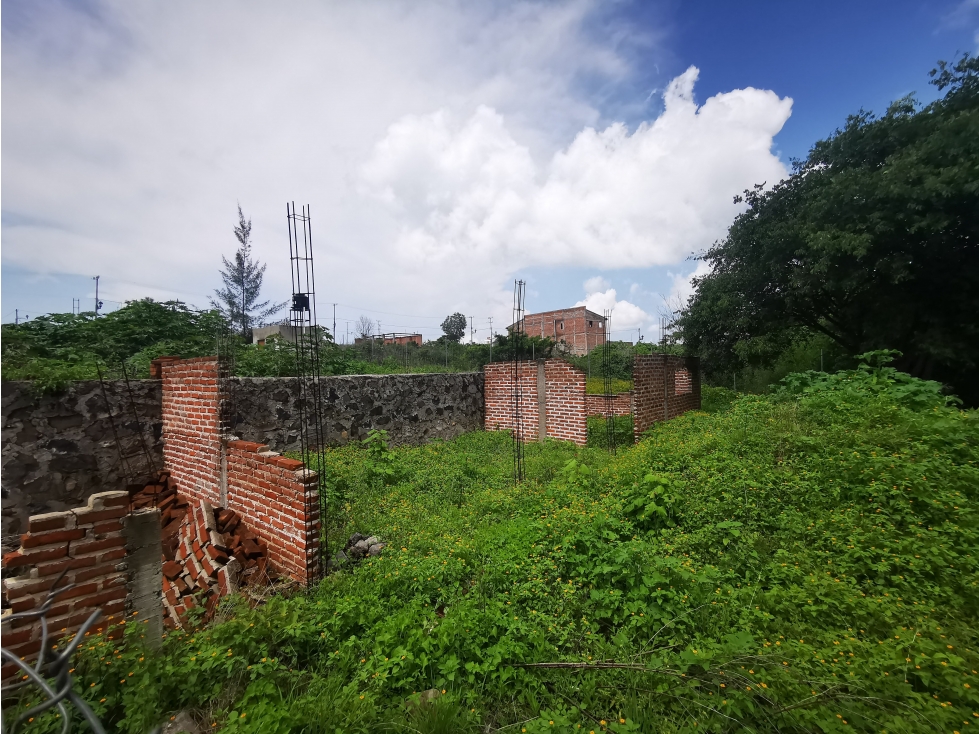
[(445, 148)]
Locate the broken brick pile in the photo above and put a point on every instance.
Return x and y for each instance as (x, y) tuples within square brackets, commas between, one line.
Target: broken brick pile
[(207, 553)]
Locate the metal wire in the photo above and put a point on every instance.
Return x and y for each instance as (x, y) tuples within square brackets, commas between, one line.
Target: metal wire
[(39, 675)]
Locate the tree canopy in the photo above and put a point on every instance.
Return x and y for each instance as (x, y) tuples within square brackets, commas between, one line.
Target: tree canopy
[(872, 241), (238, 299), (454, 327)]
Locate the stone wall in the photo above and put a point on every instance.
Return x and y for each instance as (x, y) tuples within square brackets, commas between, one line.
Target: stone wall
[(413, 408), (59, 449)]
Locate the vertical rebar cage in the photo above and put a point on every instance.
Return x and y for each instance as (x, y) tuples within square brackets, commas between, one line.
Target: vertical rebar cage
[(607, 372), (306, 336), (518, 339)]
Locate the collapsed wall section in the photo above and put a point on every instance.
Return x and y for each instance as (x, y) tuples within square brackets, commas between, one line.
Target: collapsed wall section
[(275, 495), (664, 387), (551, 397)]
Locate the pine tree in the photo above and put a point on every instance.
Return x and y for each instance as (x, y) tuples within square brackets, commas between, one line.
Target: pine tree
[(238, 300)]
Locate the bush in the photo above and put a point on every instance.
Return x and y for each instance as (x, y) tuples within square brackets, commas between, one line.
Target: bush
[(801, 561)]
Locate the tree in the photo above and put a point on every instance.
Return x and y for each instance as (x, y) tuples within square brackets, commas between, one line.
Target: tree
[(238, 300), (365, 327), (454, 327), (873, 241)]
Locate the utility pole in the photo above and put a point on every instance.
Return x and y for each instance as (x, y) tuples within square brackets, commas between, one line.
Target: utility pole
[(472, 331), (334, 323), (16, 316), (491, 338), (98, 304)]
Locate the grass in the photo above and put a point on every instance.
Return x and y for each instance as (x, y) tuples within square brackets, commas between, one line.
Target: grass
[(596, 386), (802, 561)]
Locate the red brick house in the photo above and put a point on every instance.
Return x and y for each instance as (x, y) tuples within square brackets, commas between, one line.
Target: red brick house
[(582, 330)]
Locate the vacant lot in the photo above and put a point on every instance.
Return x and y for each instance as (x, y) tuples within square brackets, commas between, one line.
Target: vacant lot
[(803, 561)]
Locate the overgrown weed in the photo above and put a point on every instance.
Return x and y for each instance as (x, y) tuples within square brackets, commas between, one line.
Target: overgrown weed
[(801, 561)]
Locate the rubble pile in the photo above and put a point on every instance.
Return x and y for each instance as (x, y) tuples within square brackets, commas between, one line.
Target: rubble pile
[(208, 553)]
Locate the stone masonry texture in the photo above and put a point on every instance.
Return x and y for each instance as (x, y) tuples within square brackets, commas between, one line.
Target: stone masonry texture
[(59, 449), (413, 409)]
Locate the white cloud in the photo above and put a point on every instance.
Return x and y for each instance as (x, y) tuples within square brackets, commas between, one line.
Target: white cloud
[(595, 284), (442, 146), (682, 285), (610, 199), (626, 316)]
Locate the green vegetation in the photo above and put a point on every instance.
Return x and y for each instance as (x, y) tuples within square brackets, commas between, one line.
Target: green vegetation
[(870, 244), (596, 385), (55, 349), (806, 560), (598, 431)]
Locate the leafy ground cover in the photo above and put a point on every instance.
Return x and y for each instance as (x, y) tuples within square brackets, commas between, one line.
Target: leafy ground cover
[(596, 385), (799, 561)]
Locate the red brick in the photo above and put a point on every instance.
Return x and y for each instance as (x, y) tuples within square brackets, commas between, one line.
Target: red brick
[(17, 637), (97, 545), (39, 525), (110, 526), (97, 600), (50, 569), (34, 540), (94, 516), (15, 559), (25, 649), (112, 555)]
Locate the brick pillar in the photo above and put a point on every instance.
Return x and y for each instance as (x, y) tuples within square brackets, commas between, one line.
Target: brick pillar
[(192, 426)]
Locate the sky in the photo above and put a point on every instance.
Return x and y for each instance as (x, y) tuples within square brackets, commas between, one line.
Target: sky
[(589, 147)]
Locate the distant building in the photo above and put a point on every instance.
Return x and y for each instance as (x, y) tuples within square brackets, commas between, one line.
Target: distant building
[(393, 338), (285, 331), (582, 330)]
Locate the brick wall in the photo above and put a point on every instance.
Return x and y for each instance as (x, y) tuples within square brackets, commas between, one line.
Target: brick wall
[(499, 397), (279, 498), (276, 495), (664, 386), (191, 426), (553, 384), (621, 404), (582, 330), (89, 544)]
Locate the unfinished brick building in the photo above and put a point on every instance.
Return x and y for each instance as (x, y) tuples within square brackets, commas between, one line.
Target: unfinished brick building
[(582, 330)]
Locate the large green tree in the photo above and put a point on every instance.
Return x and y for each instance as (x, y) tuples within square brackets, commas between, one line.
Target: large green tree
[(873, 241), (454, 327)]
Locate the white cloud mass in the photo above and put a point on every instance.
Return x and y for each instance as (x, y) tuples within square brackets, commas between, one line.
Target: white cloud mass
[(610, 199), (443, 146), (626, 316)]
